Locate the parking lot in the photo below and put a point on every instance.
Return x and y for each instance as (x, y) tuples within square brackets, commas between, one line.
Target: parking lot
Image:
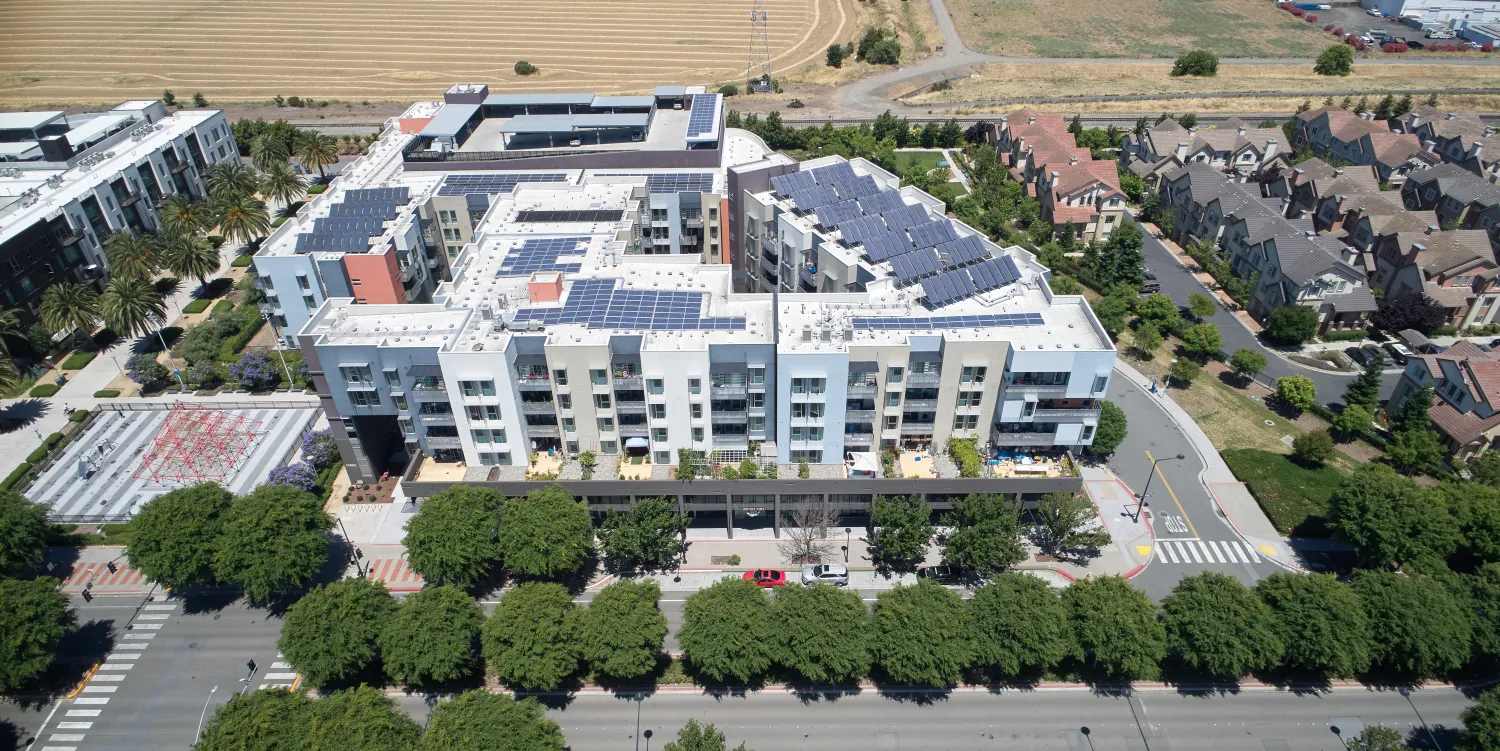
[(1354, 20)]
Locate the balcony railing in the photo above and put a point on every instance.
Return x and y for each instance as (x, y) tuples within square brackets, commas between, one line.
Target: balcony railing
[(921, 428), (538, 408), (444, 442), (533, 383), (860, 415), (729, 417), (924, 379), (635, 430), (728, 390), (131, 199), (731, 442), (863, 387), (859, 438), (921, 405), (429, 395), (445, 418), (543, 431), (629, 381), (630, 408), (1024, 439), (1049, 415), (1037, 388)]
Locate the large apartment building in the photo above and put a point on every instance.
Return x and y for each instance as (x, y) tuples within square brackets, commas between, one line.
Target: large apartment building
[(69, 182)]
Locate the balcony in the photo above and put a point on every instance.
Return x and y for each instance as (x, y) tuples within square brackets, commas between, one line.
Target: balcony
[(409, 272), (728, 390), (630, 408), (1024, 439), (924, 379), (428, 395), (629, 381), (863, 387), (68, 237), (179, 168), (631, 431), (444, 442), (859, 439), (920, 428), (543, 431), (445, 418), (1049, 389), (732, 442), (859, 415), (538, 408), (533, 383), (921, 405), (131, 199), (691, 220), (729, 417), (1055, 415)]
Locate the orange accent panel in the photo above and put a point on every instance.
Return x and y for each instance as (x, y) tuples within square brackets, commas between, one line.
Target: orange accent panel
[(412, 124), (379, 277)]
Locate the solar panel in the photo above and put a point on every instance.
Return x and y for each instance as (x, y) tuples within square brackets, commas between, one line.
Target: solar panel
[(906, 216), (886, 245), (863, 185), (964, 250), (671, 182), (836, 172), (377, 195), (597, 303), (885, 200), (541, 254), (832, 214), (459, 185), (702, 119), (932, 233), (948, 322), (809, 199), (908, 267), (947, 287), (855, 230)]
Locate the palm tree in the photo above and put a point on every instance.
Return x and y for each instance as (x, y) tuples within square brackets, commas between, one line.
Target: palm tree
[(317, 150), (280, 182), (231, 178), (182, 215), (268, 149), (10, 325), (242, 218), (70, 306), (131, 306), (190, 255), (132, 256)]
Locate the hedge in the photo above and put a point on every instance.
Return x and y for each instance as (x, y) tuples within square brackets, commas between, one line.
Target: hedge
[(16, 475), (1345, 336), (313, 190), (280, 220), (223, 305), (196, 306), (79, 415), (46, 448), (106, 394), (241, 262), (46, 389), (1446, 331), (78, 360)]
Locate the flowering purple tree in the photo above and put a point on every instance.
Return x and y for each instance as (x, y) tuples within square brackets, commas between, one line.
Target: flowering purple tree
[(145, 370), (319, 449), (300, 475), (255, 371)]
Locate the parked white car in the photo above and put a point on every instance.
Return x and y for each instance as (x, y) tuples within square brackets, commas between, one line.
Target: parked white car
[(1374, 12), (836, 574)]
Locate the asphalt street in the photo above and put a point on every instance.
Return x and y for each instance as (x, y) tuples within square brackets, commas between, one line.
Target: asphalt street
[(1178, 283)]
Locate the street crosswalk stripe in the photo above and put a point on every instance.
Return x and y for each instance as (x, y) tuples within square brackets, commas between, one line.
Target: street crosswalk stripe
[(154, 616), (1192, 551), (1163, 552), (279, 666), (131, 656), (149, 626), (1232, 552), (131, 645), (100, 689), (74, 725), (140, 636), (59, 748), (281, 676), (1250, 549), (165, 606), (1207, 556), (1218, 554), (108, 678), (88, 700), (66, 737), (117, 666), (84, 712)]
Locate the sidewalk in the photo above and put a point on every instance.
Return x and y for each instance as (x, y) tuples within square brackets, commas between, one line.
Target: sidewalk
[(77, 568), (1232, 497), (1129, 531)]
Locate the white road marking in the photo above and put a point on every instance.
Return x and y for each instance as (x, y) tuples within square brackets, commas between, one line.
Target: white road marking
[(133, 645), (153, 616), (74, 725), (1192, 551), (1219, 554), (140, 636), (87, 700), (100, 689), (108, 678), (117, 666), (149, 626), (1164, 551), (59, 748), (83, 713), (131, 656), (1251, 550), (169, 606), (281, 676), (279, 666), (66, 737)]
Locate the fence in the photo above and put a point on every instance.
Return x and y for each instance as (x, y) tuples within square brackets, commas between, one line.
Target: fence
[(162, 406)]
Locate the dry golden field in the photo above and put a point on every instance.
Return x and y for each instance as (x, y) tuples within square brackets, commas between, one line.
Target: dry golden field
[(94, 51)]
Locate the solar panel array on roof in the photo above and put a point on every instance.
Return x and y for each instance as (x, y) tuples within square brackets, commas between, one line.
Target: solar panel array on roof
[(863, 185), (459, 185), (671, 182), (598, 304), (993, 273), (377, 195), (383, 210), (832, 214), (541, 254), (833, 173), (948, 322), (704, 117), (964, 250), (885, 200), (809, 199), (947, 287), (336, 224), (932, 233), (582, 215), (906, 216), (886, 245), (908, 267), (855, 230)]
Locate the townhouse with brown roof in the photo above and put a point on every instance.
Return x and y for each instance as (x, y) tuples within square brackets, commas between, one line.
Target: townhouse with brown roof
[(1456, 196), (1234, 147), (1293, 265), (1361, 139), (1458, 137), (1466, 381), (1072, 187), (1201, 197), (1455, 269)]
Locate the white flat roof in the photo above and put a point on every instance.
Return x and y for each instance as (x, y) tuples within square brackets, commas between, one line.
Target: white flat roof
[(19, 148), (27, 120), (94, 128)]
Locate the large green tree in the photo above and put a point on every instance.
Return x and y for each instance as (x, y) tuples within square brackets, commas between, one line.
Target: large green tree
[(1423, 629), (621, 632), (698, 737), (265, 720), (1068, 522), (174, 537), (1388, 519), (1481, 724), (316, 150), (70, 306), (361, 718), (1364, 390), (1246, 363), (132, 256), (1484, 594), (1297, 392), (1218, 627), (1018, 625), (545, 533), (902, 529), (921, 635), (242, 218), (35, 617), (131, 307), (23, 533), (191, 256), (726, 631), (1202, 340), (985, 535), (280, 183), (452, 540), (649, 536), (330, 635), (1118, 633), (430, 639), (481, 721), (231, 179), (180, 214), (531, 640), (1292, 324), (1111, 430), (822, 633), (274, 539), (1322, 623), (1336, 60)]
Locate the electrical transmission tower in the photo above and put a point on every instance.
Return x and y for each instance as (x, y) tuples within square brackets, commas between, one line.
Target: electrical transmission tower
[(758, 70)]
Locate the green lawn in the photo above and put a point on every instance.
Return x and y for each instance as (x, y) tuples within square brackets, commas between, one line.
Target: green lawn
[(927, 160), (948, 192), (78, 360), (1293, 496)]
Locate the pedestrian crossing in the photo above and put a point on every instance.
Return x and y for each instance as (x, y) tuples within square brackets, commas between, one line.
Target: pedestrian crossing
[(90, 701), (1194, 550), (395, 573), (280, 675)]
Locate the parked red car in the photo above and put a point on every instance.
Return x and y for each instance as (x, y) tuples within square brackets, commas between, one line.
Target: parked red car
[(766, 577)]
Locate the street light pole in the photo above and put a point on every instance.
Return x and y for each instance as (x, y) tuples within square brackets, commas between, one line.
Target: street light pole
[(267, 318), (847, 532), (1141, 500), (639, 699), (163, 339), (353, 551), (1406, 693)]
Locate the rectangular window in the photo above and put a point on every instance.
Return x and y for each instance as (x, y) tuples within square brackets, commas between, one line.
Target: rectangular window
[(407, 426), (893, 398), (815, 410), (487, 388), (609, 447), (757, 400), (972, 374), (659, 435), (560, 376), (1028, 409), (894, 374), (476, 413), (817, 385), (568, 425), (695, 385), (606, 424), (658, 411), (598, 376), (481, 436), (697, 410), (469, 388), (601, 401), (357, 375), (697, 435), (814, 434), (890, 421), (757, 424), (302, 282), (400, 402), (654, 386), (799, 433), (365, 398), (799, 386), (1100, 383), (1087, 434), (799, 410), (392, 378), (492, 412), (757, 376), (565, 401)]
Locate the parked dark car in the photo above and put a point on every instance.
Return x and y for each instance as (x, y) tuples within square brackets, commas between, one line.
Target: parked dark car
[(940, 574), (1150, 288), (1363, 354)]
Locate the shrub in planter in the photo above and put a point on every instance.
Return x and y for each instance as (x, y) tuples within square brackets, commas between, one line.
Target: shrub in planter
[(79, 415), (15, 476), (37, 456), (145, 370), (241, 262), (223, 306), (78, 360), (254, 371), (300, 475), (196, 306), (313, 190), (106, 394), (319, 449), (44, 390)]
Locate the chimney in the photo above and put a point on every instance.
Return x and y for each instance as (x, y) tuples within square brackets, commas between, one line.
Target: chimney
[(1367, 115), (1240, 130), (1452, 115), (1429, 146), (1182, 149), (1309, 233), (1299, 171), (1338, 171), (1418, 247), (1071, 161), (1271, 145), (1431, 228), (1031, 119), (1053, 181)]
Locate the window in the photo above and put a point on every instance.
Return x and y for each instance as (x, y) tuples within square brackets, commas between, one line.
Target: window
[(492, 412), (601, 401), (799, 410), (890, 421), (476, 413), (598, 376), (894, 374), (697, 435), (606, 424), (659, 435), (357, 375), (757, 400), (970, 398), (799, 433), (654, 386), (695, 385), (814, 434), (407, 426), (568, 425), (659, 411), (799, 385), (817, 385), (447, 216), (697, 410), (365, 398), (893, 399), (477, 388), (481, 436), (1028, 409), (757, 424), (757, 376), (972, 374), (1100, 383), (560, 376), (400, 402), (302, 281), (609, 447), (565, 401), (1087, 434), (965, 422)]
